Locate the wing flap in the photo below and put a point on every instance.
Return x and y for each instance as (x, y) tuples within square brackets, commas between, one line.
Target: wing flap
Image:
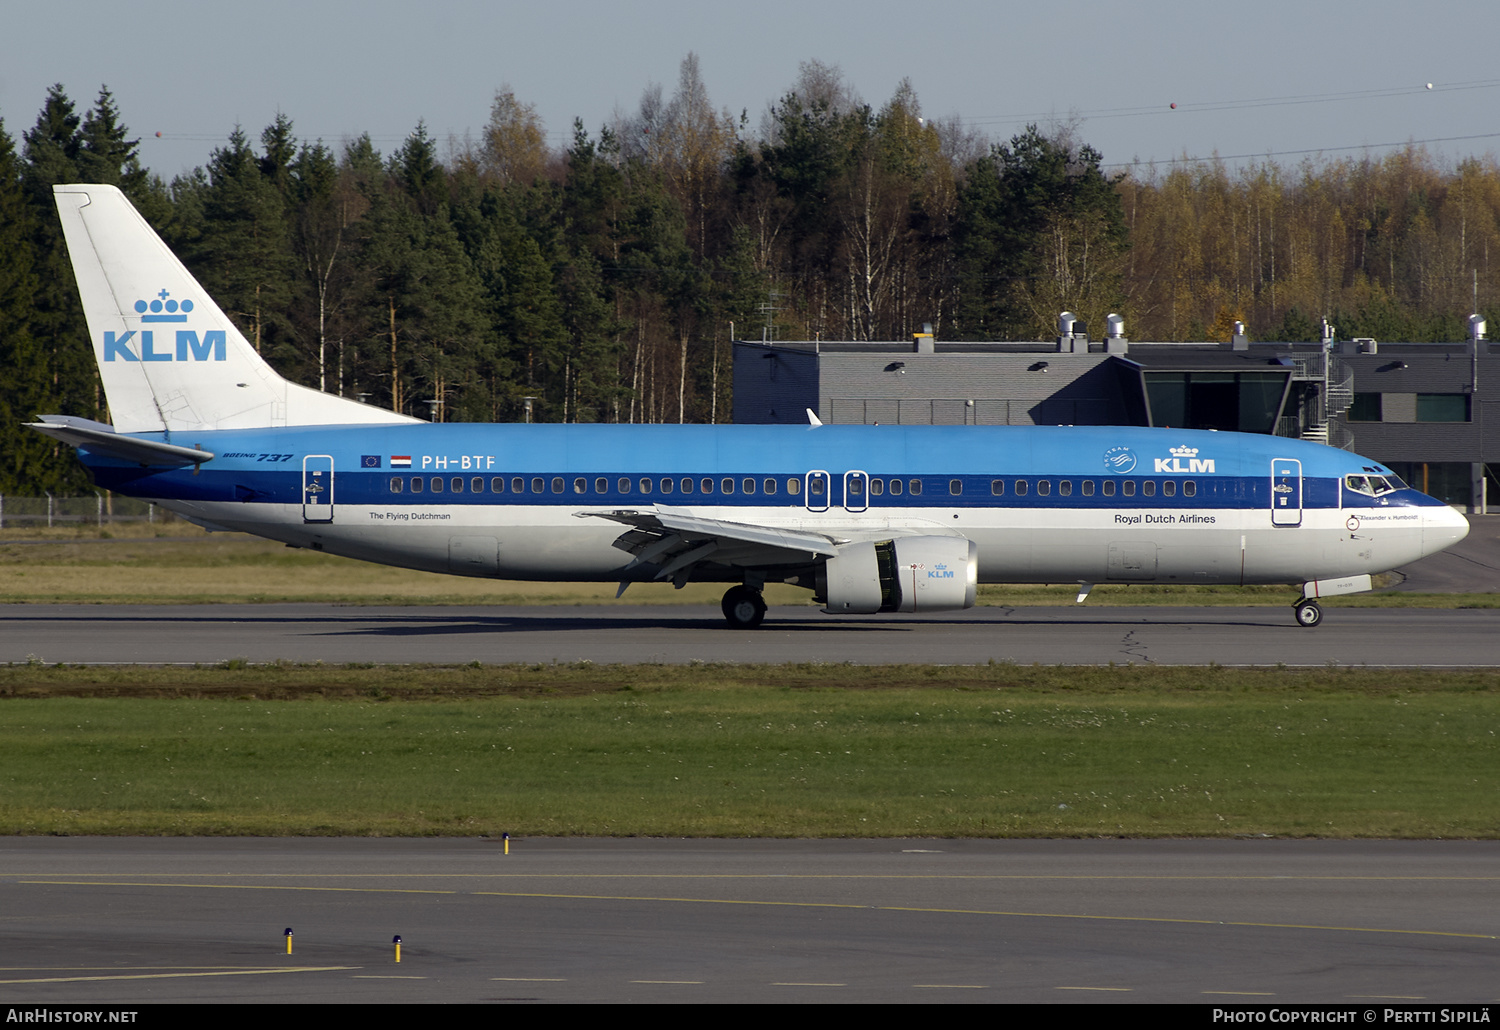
[(676, 541)]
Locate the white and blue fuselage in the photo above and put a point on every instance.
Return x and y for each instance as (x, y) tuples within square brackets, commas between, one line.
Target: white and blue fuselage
[(1044, 504)]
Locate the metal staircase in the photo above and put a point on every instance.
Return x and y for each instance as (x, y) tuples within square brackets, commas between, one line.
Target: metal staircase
[(1334, 382)]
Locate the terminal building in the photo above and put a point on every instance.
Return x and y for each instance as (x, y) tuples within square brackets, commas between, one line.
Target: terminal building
[(1428, 411)]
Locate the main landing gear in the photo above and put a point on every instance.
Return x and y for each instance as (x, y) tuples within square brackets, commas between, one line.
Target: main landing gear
[(1308, 613), (744, 608)]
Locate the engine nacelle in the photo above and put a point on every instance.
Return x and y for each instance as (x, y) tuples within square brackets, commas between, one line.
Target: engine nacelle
[(908, 574)]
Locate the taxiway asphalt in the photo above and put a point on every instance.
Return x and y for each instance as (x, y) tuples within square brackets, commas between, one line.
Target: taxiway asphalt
[(1358, 923)]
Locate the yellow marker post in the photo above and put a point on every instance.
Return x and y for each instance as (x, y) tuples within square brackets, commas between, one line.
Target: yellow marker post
[(506, 837), (396, 940), (287, 933)]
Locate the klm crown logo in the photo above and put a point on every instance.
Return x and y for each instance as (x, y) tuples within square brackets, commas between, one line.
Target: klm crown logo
[(165, 308), (1184, 452)]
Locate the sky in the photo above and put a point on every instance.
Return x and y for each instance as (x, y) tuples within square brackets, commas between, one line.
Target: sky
[(1289, 80)]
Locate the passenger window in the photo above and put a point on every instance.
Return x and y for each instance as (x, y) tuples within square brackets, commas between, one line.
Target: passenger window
[(580, 485), (955, 486), (416, 484), (497, 485), (877, 487), (1109, 488), (1021, 487), (794, 486), (816, 486), (517, 485), (666, 484), (997, 487), (557, 484), (1149, 488), (1129, 488), (686, 485), (915, 486), (1088, 488), (856, 487), (1043, 487), (623, 484), (456, 484), (726, 485), (646, 484), (601, 485), (1189, 488), (538, 485), (768, 485), (1065, 488), (896, 486), (396, 484), (1169, 488), (437, 484), (747, 485)]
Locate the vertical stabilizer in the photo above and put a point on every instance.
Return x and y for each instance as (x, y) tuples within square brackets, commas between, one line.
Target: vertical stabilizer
[(169, 357)]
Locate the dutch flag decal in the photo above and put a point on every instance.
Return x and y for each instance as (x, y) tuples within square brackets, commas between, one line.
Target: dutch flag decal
[(400, 461)]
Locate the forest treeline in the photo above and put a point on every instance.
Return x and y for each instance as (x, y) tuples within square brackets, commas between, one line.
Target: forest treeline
[(488, 278)]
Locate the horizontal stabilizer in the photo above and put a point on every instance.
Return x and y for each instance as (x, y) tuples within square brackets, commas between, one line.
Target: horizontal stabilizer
[(102, 439)]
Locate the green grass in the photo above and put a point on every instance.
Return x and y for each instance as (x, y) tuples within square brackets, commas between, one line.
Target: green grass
[(749, 751), (184, 565)]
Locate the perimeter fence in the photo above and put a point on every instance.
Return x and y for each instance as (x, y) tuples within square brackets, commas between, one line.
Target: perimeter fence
[(99, 509)]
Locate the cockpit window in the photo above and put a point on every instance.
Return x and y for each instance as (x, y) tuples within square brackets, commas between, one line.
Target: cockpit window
[(1372, 486)]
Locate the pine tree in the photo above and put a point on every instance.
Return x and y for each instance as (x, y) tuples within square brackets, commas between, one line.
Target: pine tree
[(243, 256), (29, 462)]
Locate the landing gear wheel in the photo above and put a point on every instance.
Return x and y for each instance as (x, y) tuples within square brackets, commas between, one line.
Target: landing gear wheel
[(743, 608), (1308, 613)]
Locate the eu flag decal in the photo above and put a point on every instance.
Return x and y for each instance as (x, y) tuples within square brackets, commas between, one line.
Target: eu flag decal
[(369, 461)]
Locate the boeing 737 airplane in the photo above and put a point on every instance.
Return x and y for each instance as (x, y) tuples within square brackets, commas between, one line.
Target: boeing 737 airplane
[(871, 518)]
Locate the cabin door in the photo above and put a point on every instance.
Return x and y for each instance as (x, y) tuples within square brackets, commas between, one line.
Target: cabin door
[(317, 488), (1286, 492)]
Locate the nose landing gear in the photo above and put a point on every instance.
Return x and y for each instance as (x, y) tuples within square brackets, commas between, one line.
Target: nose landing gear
[(1307, 612)]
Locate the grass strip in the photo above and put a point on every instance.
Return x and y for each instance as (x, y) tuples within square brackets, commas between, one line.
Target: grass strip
[(807, 750)]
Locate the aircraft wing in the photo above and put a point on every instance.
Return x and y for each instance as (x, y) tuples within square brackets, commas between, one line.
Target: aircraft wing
[(102, 438), (677, 541)]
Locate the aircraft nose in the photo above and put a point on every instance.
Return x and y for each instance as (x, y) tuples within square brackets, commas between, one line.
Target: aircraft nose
[(1442, 527)]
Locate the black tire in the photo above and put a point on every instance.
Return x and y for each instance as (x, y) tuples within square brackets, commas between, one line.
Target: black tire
[(743, 608), (1308, 613)]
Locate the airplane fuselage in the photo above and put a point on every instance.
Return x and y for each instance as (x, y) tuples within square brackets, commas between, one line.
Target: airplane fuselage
[(1043, 504)]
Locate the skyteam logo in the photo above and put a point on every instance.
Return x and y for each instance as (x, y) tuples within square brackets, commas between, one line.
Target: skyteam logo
[(1119, 460), (1184, 459), (165, 308)]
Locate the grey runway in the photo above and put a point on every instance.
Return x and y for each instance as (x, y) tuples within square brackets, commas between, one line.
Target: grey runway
[(674, 635), (1363, 923)]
